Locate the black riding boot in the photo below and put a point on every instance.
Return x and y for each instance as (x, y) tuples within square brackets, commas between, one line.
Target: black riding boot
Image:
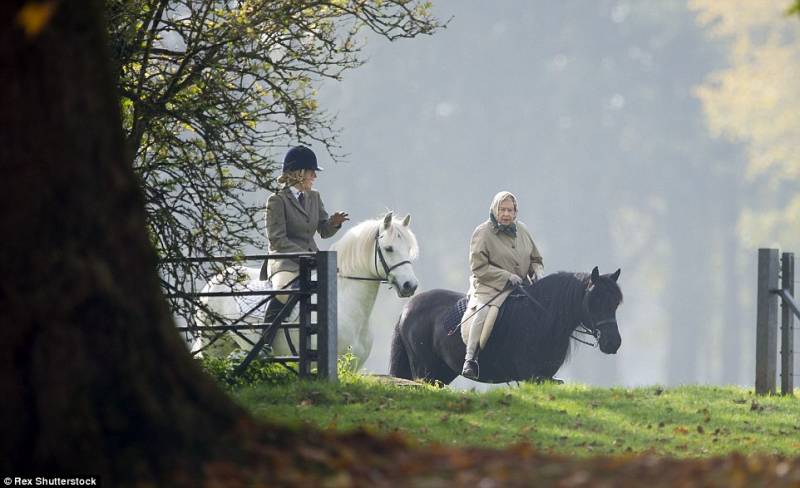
[(273, 308), (471, 368)]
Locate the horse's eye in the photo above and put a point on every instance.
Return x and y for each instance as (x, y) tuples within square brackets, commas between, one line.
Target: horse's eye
[(389, 249)]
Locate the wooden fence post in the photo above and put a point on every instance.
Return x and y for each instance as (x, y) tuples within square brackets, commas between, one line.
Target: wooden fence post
[(787, 325), (767, 321), (304, 333), (327, 318)]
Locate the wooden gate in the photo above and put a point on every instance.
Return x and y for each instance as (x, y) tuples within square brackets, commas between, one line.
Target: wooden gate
[(323, 289)]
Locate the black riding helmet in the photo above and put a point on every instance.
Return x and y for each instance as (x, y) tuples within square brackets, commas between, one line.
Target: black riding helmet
[(300, 157)]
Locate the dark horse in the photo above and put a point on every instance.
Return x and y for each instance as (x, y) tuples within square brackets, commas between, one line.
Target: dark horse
[(530, 339)]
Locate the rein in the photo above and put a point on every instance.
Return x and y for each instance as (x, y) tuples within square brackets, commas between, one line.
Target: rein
[(592, 332), (378, 255), (582, 328), (586, 330)]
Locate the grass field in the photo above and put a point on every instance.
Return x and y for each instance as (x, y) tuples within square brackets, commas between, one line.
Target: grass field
[(575, 420)]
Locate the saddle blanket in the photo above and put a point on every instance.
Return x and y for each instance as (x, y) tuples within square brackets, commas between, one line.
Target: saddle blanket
[(452, 318), (454, 314)]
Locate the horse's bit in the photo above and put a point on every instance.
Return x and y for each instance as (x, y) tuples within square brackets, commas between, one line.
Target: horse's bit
[(378, 256)]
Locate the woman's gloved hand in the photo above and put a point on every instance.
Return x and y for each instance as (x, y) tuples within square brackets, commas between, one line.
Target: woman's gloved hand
[(338, 218), (514, 280)]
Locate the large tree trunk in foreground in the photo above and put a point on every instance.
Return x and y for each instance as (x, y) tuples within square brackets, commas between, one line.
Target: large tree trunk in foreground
[(94, 379), (93, 373)]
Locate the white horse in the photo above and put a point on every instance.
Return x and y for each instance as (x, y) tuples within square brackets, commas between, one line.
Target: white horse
[(368, 254)]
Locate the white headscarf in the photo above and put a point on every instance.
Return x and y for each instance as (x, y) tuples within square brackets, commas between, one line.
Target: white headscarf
[(510, 229), (498, 199)]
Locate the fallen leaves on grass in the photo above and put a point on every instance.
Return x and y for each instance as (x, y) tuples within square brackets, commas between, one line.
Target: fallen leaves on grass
[(278, 456)]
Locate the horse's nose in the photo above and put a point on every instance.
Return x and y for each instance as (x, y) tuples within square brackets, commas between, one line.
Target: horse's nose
[(409, 287), (612, 345)]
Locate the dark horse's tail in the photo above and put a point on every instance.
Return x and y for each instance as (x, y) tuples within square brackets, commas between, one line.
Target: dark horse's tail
[(399, 366)]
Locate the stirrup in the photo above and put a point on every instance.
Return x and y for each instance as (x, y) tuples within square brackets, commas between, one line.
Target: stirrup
[(265, 352), (471, 370)]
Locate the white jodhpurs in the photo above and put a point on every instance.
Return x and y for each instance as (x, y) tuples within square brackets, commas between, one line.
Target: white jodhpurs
[(482, 320), (280, 280)]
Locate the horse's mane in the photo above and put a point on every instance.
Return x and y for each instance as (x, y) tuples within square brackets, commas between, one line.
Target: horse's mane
[(549, 325), (557, 293), (355, 249)]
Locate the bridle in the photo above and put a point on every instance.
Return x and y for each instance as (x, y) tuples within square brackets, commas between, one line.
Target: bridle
[(378, 256), (594, 328)]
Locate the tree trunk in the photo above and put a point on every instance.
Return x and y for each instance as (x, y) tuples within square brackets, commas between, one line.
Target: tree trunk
[(94, 377), (689, 281), (734, 319)]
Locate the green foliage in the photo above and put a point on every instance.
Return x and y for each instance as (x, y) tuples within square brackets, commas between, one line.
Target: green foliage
[(262, 373), (347, 367), (211, 92), (566, 419), (259, 372), (756, 101)]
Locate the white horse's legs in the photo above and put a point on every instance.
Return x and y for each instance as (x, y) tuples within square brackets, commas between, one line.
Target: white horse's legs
[(356, 299)]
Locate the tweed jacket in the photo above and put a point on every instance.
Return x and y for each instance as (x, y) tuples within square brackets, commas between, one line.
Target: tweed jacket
[(291, 227), (494, 256)]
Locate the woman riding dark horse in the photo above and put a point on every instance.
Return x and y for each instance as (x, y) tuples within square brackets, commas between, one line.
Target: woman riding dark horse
[(531, 336), (502, 255)]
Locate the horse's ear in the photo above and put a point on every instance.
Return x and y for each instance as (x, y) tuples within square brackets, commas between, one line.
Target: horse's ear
[(387, 220), (595, 275), (407, 220), (615, 276)]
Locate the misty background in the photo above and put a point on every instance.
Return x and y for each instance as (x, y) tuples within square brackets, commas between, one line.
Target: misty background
[(588, 112)]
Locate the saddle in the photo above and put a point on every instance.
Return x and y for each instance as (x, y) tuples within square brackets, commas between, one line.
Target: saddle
[(455, 314)]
